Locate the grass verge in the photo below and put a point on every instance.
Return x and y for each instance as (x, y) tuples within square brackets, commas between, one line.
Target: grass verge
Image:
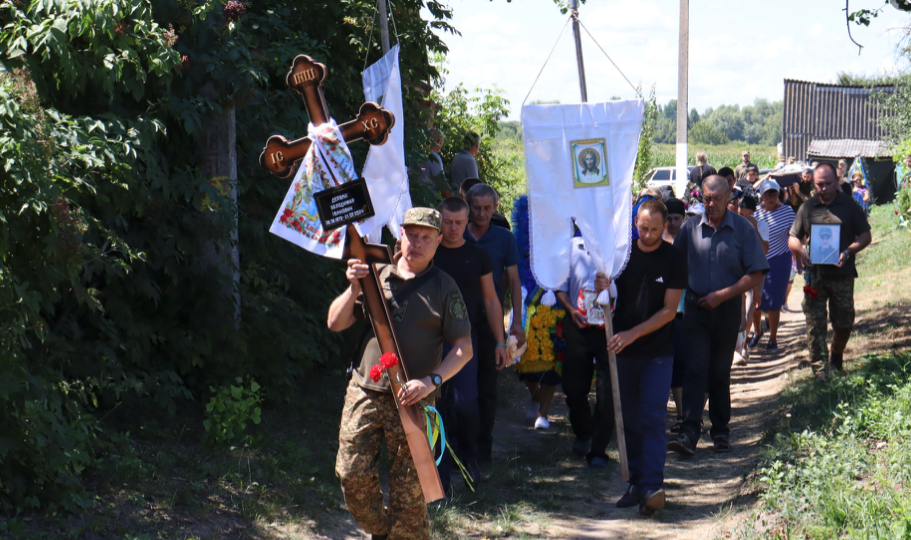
[(837, 464)]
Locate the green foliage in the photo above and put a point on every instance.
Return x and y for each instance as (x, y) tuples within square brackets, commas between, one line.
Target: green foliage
[(863, 17), (727, 155), (108, 303), (705, 133), (645, 152), (460, 112), (843, 475), (759, 123), (230, 408), (851, 79), (509, 156), (903, 201)]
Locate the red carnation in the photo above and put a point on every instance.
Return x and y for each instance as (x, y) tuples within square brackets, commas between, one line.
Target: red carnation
[(376, 372), (810, 290), (389, 360), (560, 329)]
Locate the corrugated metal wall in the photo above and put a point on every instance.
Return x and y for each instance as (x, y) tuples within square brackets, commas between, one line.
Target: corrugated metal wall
[(828, 111)]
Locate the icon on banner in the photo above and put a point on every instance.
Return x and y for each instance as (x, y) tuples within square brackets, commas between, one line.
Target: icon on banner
[(590, 163)]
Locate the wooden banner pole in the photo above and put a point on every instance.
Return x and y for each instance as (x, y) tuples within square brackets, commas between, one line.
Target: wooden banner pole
[(615, 391)]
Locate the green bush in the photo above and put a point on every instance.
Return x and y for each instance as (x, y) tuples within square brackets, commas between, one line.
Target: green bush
[(704, 133), (107, 299), (230, 408), (844, 475)]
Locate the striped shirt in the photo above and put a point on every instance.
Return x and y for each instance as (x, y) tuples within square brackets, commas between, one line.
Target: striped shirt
[(780, 221)]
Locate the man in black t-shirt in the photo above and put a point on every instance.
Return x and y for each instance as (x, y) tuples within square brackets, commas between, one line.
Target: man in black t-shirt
[(469, 265), (648, 292)]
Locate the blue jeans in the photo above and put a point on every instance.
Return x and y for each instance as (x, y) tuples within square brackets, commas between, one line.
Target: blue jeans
[(643, 396), (458, 406)]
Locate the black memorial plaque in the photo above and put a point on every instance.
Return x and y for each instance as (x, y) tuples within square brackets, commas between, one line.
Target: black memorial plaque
[(344, 204)]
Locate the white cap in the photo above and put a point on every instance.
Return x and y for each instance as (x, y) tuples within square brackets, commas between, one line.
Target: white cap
[(767, 185)]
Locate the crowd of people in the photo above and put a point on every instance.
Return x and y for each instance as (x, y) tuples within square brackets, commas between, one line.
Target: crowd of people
[(702, 273)]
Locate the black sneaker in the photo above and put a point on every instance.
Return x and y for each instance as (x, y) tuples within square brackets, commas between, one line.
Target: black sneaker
[(754, 341), (652, 500), (630, 498), (682, 445), (837, 361)]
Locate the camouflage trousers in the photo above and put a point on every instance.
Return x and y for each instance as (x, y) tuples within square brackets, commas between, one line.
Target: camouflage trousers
[(367, 419), (836, 294)]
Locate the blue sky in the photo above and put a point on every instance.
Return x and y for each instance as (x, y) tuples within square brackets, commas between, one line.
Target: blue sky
[(739, 50)]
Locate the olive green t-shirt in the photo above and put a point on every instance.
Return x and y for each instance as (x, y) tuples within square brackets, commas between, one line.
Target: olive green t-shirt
[(431, 315), (844, 211)]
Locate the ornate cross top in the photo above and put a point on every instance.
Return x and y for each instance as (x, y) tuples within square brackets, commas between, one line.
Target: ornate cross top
[(373, 123)]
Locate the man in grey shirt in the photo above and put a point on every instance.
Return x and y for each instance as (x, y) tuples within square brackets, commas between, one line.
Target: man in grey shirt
[(464, 165), (724, 260)]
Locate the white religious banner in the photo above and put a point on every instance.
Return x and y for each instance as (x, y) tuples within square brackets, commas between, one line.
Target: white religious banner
[(327, 164), (385, 170), (579, 160)]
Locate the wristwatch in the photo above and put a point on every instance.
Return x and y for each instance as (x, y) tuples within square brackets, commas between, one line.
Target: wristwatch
[(847, 253), (436, 379)]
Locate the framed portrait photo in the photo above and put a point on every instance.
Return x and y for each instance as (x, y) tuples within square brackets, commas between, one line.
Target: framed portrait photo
[(589, 163), (824, 242)]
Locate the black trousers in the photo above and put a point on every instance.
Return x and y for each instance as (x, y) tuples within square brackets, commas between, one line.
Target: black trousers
[(487, 389), (586, 355), (711, 337)]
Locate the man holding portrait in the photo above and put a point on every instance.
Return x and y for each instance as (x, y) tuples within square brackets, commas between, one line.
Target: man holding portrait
[(837, 230)]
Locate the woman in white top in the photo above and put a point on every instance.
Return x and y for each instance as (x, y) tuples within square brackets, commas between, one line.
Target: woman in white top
[(779, 218)]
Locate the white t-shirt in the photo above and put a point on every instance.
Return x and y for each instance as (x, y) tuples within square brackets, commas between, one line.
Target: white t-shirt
[(763, 227)]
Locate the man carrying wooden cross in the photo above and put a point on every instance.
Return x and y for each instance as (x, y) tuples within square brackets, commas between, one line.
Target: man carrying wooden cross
[(427, 309)]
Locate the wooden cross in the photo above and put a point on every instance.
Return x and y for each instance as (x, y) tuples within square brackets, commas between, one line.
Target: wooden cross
[(372, 123), (280, 156)]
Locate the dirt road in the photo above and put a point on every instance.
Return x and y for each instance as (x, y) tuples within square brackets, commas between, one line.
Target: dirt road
[(700, 490), (537, 489)]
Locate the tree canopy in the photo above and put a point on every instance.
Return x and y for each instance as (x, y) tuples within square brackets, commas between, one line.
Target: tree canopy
[(109, 308)]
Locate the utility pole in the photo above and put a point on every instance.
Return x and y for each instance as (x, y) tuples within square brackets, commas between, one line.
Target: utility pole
[(682, 90), (574, 8), (384, 25)]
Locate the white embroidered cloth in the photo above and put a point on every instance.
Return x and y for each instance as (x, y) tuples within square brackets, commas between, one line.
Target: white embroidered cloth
[(327, 164)]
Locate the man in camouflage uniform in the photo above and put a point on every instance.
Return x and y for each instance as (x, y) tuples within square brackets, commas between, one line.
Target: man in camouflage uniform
[(830, 285), (427, 310)]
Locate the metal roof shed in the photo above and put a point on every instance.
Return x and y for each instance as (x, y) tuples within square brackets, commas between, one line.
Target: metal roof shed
[(881, 169), (820, 111), (827, 122)]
